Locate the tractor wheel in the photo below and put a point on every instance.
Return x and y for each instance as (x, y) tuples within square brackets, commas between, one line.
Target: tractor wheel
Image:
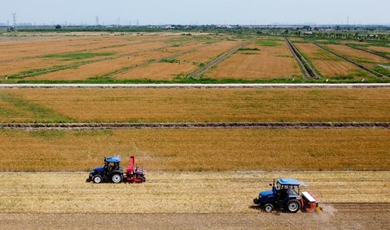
[(268, 208), (116, 178), (97, 179), (293, 205)]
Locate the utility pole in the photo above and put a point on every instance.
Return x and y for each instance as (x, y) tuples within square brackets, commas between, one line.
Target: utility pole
[(97, 20), (14, 16)]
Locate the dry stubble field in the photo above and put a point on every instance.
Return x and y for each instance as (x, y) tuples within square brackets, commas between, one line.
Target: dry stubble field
[(182, 200)]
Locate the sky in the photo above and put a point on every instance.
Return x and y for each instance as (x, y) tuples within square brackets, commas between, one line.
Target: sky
[(195, 12)]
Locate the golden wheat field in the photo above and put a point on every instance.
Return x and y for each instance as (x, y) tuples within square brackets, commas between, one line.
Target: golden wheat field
[(82, 58), (198, 149), (185, 63), (258, 61), (133, 57), (366, 59), (327, 64), (195, 105)]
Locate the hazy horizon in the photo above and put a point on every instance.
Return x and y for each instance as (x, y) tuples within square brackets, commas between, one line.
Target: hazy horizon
[(199, 12)]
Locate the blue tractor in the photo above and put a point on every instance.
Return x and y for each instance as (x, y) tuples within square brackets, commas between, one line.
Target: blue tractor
[(285, 195), (111, 171)]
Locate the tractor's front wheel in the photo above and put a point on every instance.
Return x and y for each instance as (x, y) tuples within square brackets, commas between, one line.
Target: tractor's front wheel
[(268, 208), (293, 205), (116, 178), (97, 179)]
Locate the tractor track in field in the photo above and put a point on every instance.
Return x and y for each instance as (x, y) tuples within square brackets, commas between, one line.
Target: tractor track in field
[(197, 125), (362, 206)]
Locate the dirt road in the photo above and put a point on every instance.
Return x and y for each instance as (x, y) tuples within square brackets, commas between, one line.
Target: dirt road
[(365, 218), (261, 86)]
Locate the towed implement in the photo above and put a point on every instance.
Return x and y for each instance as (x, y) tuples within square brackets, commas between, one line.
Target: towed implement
[(286, 196), (112, 171)]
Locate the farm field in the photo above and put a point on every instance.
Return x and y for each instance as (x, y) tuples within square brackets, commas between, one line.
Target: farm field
[(141, 55), (80, 58), (329, 65), (69, 55), (194, 105), (380, 49), (182, 65), (202, 178), (262, 59), (198, 149), (171, 57), (372, 46), (366, 59), (209, 200)]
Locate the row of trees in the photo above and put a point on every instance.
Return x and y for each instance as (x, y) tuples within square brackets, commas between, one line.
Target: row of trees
[(337, 32)]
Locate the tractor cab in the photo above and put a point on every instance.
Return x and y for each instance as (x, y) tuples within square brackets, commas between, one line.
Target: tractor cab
[(111, 171), (285, 194), (287, 188), (112, 163)]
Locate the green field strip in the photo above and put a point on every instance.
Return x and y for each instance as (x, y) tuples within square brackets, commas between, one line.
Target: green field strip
[(29, 111)]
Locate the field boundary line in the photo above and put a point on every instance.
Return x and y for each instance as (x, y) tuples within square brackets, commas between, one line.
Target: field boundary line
[(307, 70), (197, 73), (197, 125), (353, 62)]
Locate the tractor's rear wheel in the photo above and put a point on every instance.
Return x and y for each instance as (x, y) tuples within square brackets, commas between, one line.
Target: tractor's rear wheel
[(268, 208), (97, 179), (116, 178), (293, 205)]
